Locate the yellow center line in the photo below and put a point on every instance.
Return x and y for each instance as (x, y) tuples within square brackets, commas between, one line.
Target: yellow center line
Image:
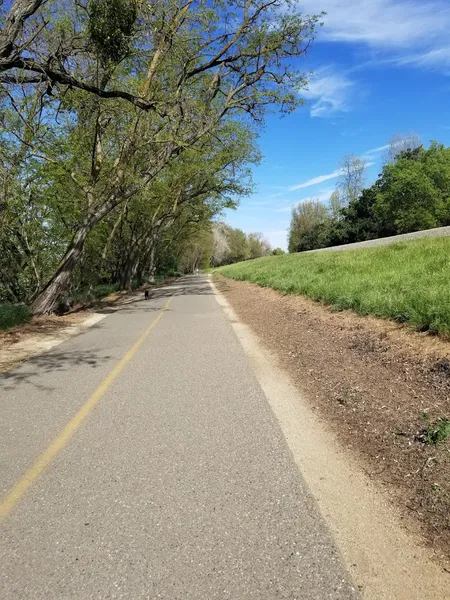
[(61, 441)]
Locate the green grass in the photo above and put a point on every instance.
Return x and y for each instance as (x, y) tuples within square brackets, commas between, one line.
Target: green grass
[(435, 432), (407, 281), (13, 314)]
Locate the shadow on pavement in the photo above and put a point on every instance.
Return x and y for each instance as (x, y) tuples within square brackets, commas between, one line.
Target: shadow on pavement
[(49, 362), (190, 285), (57, 362), (130, 307)]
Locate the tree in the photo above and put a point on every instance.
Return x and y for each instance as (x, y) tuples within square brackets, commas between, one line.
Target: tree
[(190, 190), (136, 86), (258, 245), (400, 143), (278, 251), (410, 194), (414, 192), (336, 205), (307, 217), (42, 46), (196, 251), (184, 198), (238, 244), (220, 249), (360, 221), (408, 199), (351, 179)]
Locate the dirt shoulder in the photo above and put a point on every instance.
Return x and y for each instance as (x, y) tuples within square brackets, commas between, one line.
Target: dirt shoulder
[(371, 380), (22, 342)]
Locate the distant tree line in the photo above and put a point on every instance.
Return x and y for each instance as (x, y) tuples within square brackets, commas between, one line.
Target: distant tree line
[(212, 245), (233, 245), (411, 193)]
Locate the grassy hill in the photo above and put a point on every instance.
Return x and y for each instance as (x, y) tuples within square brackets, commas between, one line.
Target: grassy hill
[(406, 281)]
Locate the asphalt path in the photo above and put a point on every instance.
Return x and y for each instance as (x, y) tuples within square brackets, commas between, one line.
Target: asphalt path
[(141, 459)]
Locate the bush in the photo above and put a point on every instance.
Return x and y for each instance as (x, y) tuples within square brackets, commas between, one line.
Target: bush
[(13, 314), (94, 293), (101, 291), (173, 273)]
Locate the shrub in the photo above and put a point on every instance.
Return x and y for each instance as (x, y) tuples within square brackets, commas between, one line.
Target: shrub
[(173, 273), (13, 314), (101, 291), (94, 293)]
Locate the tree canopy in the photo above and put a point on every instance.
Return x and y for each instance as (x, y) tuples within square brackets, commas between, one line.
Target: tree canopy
[(127, 127), (411, 193)]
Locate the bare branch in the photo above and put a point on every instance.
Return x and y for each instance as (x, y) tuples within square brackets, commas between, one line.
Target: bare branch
[(20, 11)]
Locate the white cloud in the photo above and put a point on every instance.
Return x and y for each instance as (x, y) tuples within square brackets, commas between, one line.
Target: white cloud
[(315, 180), (329, 93), (382, 23), (434, 58), (376, 150), (322, 178), (393, 27)]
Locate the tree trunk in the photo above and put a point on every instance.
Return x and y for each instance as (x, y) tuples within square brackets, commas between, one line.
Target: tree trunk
[(46, 300), (128, 284), (129, 271), (124, 275), (151, 264), (133, 274), (113, 233)]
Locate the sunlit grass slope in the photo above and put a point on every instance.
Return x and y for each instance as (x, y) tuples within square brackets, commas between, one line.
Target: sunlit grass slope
[(406, 281)]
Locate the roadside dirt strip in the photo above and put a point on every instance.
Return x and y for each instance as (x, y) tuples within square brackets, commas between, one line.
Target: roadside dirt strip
[(370, 381), (41, 334)]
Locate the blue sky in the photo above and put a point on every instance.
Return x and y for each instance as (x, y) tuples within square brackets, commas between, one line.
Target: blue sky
[(381, 67)]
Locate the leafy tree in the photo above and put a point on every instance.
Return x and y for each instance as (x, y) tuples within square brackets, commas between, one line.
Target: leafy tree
[(258, 246), (182, 69), (360, 222), (238, 244), (414, 193), (196, 251), (308, 218), (39, 45), (184, 197)]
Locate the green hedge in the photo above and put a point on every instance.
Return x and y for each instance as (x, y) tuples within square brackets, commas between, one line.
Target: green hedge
[(13, 314)]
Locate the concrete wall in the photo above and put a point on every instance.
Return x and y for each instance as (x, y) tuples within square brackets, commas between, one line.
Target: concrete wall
[(438, 232)]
